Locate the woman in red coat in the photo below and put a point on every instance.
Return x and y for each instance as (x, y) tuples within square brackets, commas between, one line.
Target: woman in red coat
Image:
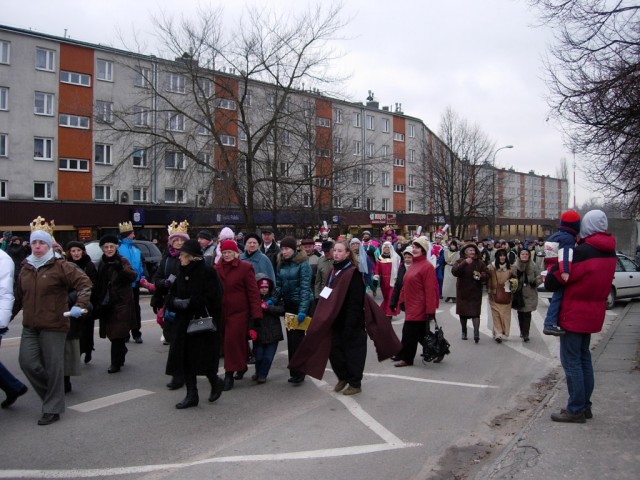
[(420, 295), (240, 302), (386, 271)]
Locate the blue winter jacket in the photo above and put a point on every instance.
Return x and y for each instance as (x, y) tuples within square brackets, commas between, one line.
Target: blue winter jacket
[(293, 282), (261, 264), (132, 253)]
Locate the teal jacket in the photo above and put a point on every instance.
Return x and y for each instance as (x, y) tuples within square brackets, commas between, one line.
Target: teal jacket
[(293, 282)]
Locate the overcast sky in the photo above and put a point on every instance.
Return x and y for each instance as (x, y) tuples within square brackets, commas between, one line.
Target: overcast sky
[(482, 58)]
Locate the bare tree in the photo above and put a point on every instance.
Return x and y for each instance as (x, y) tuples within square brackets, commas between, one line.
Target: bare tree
[(562, 171), (594, 78), (226, 115), (462, 179)]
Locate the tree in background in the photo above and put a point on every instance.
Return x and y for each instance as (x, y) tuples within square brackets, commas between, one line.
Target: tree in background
[(594, 78)]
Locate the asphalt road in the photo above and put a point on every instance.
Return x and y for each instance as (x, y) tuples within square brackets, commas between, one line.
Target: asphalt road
[(427, 421)]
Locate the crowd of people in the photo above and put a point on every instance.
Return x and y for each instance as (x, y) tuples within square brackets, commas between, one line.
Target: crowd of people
[(246, 284)]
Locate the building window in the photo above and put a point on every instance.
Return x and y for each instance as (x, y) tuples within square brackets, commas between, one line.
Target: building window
[(43, 104), (4, 98), (385, 125), (139, 158), (174, 195), (398, 137), (371, 150), (202, 126), (176, 83), (386, 179), (42, 148), (102, 154), (386, 203), (323, 152), (73, 165), (176, 122), (386, 151), (4, 193), (4, 145), (142, 77), (356, 202), (271, 101), (284, 169), (45, 59), (412, 180), (357, 176), (357, 119), (104, 112), (412, 130), (337, 115), (324, 122), (140, 195), (204, 161), (371, 203), (285, 137), (357, 147), (42, 190), (174, 160), (306, 200), (371, 177), (205, 87), (242, 133), (225, 103), (398, 188), (140, 117), (412, 156), (74, 121), (411, 205), (337, 201), (228, 140), (398, 162), (371, 122), (75, 78), (104, 70), (337, 144), (102, 193), (248, 98), (5, 52)]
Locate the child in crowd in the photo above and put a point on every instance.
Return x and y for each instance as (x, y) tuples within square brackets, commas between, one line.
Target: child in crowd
[(267, 332)]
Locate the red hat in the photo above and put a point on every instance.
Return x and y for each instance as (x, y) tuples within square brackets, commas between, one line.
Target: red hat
[(264, 282), (229, 245), (570, 220)]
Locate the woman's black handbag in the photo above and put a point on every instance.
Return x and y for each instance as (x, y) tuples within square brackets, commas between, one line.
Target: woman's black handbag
[(435, 346), (201, 325), (517, 300)]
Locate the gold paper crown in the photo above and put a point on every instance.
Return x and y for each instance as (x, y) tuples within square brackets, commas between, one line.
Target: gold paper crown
[(125, 227), (40, 224), (182, 227)]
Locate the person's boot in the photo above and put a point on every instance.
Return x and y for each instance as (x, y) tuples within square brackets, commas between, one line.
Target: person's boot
[(67, 384), (239, 375), (191, 400), (463, 324), (476, 329), (228, 381), (217, 386)]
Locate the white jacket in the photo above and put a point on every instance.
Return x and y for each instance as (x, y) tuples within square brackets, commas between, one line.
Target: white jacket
[(6, 288)]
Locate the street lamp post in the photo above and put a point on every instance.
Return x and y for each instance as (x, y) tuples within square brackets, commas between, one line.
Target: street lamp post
[(493, 190)]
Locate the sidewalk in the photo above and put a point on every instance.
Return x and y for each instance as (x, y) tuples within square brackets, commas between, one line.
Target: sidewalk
[(608, 446)]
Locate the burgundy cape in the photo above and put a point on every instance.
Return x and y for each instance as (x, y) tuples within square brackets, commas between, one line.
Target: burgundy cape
[(313, 353)]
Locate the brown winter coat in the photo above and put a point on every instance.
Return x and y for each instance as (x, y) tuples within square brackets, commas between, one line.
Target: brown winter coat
[(529, 278), (116, 276), (495, 287), (42, 294), (469, 290)]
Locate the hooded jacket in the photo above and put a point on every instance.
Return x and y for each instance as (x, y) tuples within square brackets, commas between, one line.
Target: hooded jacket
[(293, 282)]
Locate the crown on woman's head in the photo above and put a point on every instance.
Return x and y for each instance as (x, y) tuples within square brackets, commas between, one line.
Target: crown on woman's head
[(125, 227), (182, 227), (39, 223)]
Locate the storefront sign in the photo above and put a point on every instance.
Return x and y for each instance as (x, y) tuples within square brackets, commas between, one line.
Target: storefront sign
[(84, 233)]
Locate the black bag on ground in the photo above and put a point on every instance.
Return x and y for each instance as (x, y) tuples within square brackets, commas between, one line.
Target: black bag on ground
[(435, 345)]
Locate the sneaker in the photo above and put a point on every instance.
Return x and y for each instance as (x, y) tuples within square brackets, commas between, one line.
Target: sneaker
[(340, 386), (567, 417), (553, 330), (352, 390)]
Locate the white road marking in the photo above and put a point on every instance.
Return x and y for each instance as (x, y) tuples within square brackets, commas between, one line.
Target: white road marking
[(426, 380), (110, 400)]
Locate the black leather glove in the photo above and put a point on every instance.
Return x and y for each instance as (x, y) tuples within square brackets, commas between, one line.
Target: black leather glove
[(393, 307)]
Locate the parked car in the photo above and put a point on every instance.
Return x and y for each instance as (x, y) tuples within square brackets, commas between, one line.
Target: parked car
[(151, 255), (626, 281)]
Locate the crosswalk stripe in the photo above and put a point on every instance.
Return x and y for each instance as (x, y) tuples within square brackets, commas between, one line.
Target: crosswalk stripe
[(110, 400)]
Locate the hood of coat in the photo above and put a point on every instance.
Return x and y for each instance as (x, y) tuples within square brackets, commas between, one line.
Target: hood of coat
[(299, 257)]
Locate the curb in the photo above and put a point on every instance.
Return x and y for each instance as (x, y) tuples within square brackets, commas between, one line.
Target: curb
[(487, 472)]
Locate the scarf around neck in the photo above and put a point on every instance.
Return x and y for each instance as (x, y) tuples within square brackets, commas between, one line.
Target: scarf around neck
[(38, 262)]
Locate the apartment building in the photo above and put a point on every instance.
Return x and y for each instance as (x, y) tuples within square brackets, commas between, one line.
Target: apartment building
[(94, 135)]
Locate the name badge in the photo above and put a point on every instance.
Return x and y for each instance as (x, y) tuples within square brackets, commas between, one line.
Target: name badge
[(326, 291)]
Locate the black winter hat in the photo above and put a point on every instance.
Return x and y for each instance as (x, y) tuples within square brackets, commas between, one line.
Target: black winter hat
[(206, 234), (192, 247), (252, 235), (109, 238), (289, 242), (76, 244)]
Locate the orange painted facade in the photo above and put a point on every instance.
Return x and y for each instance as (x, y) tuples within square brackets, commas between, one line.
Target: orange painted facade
[(73, 142), (399, 173), (324, 141), (225, 123)]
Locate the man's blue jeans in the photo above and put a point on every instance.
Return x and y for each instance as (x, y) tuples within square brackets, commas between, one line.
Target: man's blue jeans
[(264, 357), (576, 362)]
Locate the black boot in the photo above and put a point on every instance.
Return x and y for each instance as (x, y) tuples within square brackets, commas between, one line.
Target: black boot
[(191, 400), (240, 374), (228, 381), (476, 329), (67, 384), (463, 324), (217, 386)]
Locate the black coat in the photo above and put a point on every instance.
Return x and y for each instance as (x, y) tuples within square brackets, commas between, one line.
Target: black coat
[(86, 265), (269, 327), (195, 354), (168, 266)]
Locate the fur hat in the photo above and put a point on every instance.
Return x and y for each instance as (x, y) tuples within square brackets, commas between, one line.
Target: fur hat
[(570, 221), (252, 235), (109, 239), (76, 244), (206, 234), (289, 242), (229, 245), (192, 247)]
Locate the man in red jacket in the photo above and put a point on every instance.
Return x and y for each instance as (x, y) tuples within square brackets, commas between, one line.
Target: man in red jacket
[(582, 311)]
